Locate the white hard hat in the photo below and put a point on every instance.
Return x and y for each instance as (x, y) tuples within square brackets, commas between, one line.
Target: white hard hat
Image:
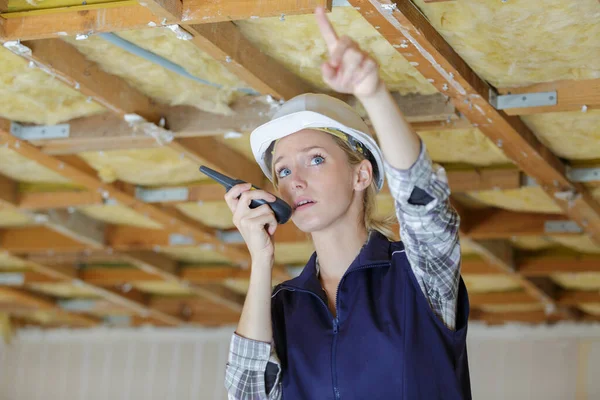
[(321, 112)]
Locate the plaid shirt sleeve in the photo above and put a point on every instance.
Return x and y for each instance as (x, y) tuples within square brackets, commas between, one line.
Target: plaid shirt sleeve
[(429, 230), (246, 376)]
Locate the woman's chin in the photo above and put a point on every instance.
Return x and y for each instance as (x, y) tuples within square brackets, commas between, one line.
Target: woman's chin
[(310, 224)]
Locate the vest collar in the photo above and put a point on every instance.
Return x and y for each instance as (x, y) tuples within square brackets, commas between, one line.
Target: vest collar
[(377, 250)]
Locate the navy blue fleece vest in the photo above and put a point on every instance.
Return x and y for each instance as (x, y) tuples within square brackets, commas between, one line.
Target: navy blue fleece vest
[(386, 342)]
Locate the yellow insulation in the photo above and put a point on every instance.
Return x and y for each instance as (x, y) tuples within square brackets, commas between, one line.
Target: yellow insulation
[(158, 166), (22, 169), (162, 288), (195, 254), (531, 199), (578, 281), (119, 215), (532, 242), (298, 45), (31, 95), (10, 218), (159, 83), (519, 42), (572, 135), (581, 243), (239, 143), (490, 283), (462, 146), (63, 289), (211, 213), (293, 253), (591, 308), (8, 262)]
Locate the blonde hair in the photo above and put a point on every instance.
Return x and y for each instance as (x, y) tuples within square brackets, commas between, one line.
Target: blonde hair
[(383, 225)]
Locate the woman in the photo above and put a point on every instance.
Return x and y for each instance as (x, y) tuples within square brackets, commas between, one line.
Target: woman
[(366, 318)]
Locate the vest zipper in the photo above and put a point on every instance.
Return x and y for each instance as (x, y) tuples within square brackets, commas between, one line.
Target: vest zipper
[(335, 321)]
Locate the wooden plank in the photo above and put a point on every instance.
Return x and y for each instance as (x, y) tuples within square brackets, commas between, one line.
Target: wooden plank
[(29, 300), (60, 199), (208, 150), (470, 180), (576, 297), (202, 11), (77, 226), (109, 132), (558, 263), (475, 265), (64, 62), (8, 192), (479, 299), (226, 44), (409, 31), (38, 239), (94, 184), (528, 317), (169, 10), (127, 15), (151, 262), (572, 95), (117, 276), (460, 181), (497, 223)]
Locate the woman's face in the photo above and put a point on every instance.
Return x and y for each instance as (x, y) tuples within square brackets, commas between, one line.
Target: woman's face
[(311, 168)]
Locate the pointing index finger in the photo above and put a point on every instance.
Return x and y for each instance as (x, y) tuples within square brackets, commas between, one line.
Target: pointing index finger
[(327, 30)]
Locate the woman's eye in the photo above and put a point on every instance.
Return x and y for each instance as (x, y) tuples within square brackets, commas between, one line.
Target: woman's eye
[(284, 172), (316, 160)]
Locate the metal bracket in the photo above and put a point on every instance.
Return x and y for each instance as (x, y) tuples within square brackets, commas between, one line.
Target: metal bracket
[(12, 279), (118, 320), (177, 239), (583, 174), (162, 195), (562, 227), (230, 236), (77, 304), (502, 102), (36, 132)]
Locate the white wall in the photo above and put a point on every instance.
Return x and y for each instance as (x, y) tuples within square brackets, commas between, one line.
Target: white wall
[(517, 363)]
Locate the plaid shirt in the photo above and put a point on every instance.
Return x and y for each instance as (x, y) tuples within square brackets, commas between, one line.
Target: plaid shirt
[(429, 230)]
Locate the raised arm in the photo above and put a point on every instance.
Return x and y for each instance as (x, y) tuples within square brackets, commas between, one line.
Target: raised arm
[(428, 224)]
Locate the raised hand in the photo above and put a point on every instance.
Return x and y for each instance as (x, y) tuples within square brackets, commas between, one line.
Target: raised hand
[(349, 69)]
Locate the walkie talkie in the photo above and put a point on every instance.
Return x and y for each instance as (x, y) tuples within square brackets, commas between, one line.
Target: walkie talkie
[(281, 209)]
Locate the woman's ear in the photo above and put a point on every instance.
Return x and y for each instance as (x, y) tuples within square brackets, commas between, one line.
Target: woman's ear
[(363, 175)]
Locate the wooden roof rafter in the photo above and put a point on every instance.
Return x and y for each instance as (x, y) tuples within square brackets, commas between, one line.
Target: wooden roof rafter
[(128, 15)]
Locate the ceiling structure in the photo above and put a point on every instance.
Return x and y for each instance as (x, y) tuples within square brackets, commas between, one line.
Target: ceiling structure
[(107, 108)]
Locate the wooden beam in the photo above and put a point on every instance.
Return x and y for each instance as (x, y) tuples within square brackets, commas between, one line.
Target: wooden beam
[(127, 15), (472, 180), (226, 44), (64, 62), (209, 150), (94, 184), (150, 262), (536, 265), (479, 299), (460, 181), (577, 297), (8, 192), (498, 223), (36, 303), (109, 132), (59, 199), (77, 226), (38, 239), (409, 31), (571, 95), (168, 10)]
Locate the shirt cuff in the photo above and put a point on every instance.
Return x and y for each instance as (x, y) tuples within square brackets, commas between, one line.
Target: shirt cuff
[(249, 354)]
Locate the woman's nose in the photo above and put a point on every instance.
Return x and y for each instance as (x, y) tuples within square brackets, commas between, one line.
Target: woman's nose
[(298, 182)]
